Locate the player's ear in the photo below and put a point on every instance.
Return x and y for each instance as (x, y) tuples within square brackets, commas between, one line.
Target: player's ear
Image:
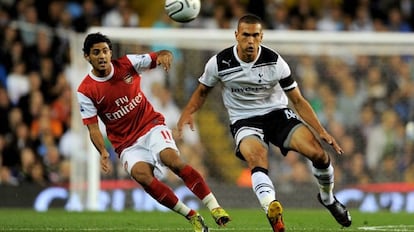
[(87, 58)]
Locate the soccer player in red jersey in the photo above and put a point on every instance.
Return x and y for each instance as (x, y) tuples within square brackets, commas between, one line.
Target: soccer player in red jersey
[(144, 144)]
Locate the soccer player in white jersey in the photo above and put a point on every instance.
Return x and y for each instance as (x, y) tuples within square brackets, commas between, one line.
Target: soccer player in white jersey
[(256, 87), (144, 144)]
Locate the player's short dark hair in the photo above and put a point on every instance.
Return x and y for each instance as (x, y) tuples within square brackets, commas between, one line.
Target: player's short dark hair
[(250, 19), (95, 38)]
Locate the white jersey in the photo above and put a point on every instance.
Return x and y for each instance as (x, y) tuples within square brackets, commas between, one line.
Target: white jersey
[(249, 89)]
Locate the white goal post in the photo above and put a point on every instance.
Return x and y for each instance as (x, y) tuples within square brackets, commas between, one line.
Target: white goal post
[(285, 42), (85, 162)]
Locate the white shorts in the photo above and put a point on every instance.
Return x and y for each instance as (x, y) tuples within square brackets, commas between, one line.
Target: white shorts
[(147, 149), (247, 131)]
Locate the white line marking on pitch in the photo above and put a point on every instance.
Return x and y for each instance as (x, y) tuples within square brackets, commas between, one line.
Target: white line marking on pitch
[(388, 228)]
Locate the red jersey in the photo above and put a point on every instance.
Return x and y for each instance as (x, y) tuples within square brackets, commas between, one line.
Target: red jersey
[(118, 101)]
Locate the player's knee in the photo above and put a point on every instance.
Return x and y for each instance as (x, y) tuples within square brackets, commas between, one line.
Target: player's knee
[(317, 155), (256, 158), (172, 160), (320, 158), (142, 176)]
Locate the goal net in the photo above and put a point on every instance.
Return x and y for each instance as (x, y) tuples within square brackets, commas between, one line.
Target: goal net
[(321, 62)]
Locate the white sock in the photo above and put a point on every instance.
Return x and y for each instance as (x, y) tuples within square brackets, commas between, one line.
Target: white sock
[(263, 187), (210, 201), (325, 178), (181, 208)]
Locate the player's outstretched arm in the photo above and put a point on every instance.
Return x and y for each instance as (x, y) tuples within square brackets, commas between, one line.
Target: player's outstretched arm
[(196, 101)]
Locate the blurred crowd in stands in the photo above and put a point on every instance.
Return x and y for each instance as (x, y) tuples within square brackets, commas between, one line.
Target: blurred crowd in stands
[(367, 104)]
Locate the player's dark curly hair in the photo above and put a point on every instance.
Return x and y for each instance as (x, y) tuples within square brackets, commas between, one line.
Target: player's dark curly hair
[(95, 38)]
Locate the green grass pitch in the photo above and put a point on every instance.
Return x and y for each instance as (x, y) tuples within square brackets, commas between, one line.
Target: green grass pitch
[(243, 220)]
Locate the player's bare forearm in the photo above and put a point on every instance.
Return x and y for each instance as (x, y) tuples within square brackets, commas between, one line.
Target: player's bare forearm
[(305, 111), (308, 115), (196, 102), (98, 141), (197, 99), (97, 137)]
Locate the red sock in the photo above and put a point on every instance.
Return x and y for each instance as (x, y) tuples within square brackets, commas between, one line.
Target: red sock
[(194, 181), (162, 193), (191, 213)]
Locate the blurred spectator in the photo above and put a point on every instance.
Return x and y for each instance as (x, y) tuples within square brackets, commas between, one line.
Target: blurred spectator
[(37, 174), (19, 141), (360, 69), (306, 68), (362, 21), (52, 161), (299, 13), (396, 22), (35, 83), (28, 22), (121, 16), (15, 117), (50, 74), (367, 121), (295, 170), (376, 88), (45, 123), (9, 53), (350, 99), (36, 101), (388, 170), (382, 140), (64, 172), (28, 158), (331, 19), (257, 7), (4, 17), (17, 82), (222, 18), (54, 11), (6, 177), (90, 16), (328, 112), (61, 108), (164, 103), (5, 107), (356, 171), (42, 48), (67, 142), (279, 17), (309, 24)]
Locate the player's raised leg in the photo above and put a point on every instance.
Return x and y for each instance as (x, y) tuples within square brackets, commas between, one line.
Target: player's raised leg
[(196, 183), (263, 187), (254, 151), (306, 143), (142, 173), (325, 178)]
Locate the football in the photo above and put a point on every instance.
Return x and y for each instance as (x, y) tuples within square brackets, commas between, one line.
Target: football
[(182, 10)]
